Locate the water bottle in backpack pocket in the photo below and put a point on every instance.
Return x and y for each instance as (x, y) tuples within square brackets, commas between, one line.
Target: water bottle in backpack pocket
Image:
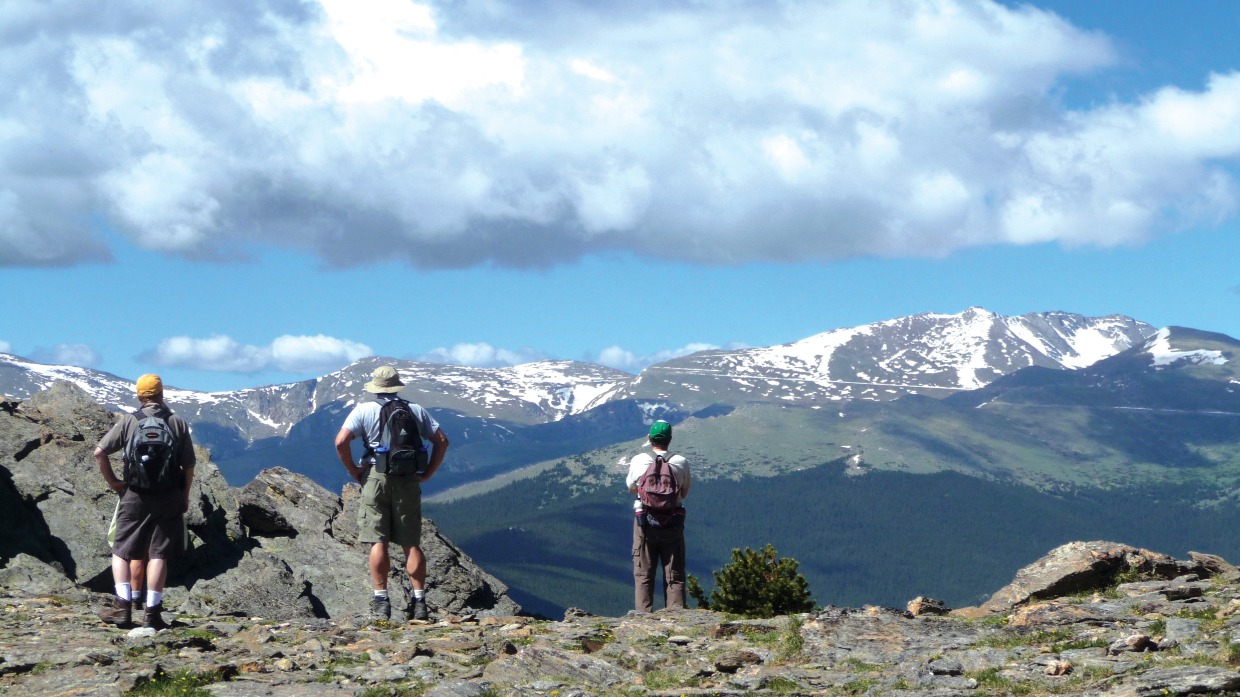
[(151, 456)]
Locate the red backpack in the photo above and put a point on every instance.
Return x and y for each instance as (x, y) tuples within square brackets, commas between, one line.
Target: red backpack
[(658, 489)]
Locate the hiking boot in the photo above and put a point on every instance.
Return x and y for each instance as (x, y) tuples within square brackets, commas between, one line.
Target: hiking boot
[(381, 609), (418, 611), (153, 618), (117, 612)]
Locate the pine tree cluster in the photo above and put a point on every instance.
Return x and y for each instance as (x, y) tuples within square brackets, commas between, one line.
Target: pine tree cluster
[(756, 584)]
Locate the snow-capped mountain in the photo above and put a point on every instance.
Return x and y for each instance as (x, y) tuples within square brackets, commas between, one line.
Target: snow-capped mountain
[(525, 394), (931, 354), (1183, 373), (503, 418), (531, 393)]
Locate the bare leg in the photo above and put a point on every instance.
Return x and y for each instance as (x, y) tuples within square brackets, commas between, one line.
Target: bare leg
[(120, 570), (137, 575), (380, 565), (415, 564), (156, 575)]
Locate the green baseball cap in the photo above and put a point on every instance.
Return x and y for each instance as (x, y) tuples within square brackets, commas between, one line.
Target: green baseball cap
[(660, 431)]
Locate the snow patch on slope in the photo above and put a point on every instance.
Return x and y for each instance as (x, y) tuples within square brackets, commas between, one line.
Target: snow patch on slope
[(1163, 355)]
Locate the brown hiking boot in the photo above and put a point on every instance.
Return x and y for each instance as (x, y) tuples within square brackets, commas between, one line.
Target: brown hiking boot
[(152, 617), (117, 612)]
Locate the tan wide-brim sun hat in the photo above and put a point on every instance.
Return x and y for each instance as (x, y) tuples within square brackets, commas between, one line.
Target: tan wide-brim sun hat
[(384, 380)]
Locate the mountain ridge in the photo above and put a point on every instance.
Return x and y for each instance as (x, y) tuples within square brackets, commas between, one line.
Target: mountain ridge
[(490, 410)]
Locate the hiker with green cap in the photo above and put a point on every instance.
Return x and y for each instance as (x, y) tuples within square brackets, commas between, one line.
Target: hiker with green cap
[(391, 471), (661, 481)]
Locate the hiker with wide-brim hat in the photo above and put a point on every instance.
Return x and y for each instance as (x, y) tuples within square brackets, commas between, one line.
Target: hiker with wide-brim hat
[(391, 507)]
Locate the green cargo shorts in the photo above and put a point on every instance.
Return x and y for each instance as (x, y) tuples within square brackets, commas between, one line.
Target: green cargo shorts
[(391, 510)]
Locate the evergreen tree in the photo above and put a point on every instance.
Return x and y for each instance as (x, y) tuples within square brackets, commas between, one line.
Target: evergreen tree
[(756, 584)]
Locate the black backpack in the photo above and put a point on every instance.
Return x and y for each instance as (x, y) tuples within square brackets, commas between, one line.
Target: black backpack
[(401, 450), (151, 462)]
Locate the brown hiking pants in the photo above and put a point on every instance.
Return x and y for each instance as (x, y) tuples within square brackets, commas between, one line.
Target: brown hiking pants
[(652, 548)]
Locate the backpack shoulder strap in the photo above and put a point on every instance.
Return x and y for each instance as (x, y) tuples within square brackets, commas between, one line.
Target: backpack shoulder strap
[(127, 451), (666, 459), (385, 409)]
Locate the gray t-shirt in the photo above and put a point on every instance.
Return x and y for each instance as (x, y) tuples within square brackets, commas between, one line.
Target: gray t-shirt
[(363, 421)]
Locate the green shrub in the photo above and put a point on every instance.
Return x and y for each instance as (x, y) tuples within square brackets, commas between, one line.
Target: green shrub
[(182, 683), (756, 584)]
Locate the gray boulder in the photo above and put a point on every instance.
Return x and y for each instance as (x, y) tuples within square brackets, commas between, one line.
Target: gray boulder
[(261, 585), (1082, 566), (28, 576), (1182, 680), (280, 503)]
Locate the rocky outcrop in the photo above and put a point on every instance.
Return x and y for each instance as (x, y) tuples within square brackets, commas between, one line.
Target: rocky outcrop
[(281, 547), (1079, 566), (315, 533), (1147, 636)]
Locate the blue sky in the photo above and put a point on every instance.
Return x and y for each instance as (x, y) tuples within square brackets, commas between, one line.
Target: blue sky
[(253, 195)]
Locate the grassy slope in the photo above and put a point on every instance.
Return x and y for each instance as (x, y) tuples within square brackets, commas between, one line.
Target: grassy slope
[(1051, 448)]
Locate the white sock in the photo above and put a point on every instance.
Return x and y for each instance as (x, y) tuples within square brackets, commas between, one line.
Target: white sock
[(418, 595), (124, 591), (381, 594), (153, 598)]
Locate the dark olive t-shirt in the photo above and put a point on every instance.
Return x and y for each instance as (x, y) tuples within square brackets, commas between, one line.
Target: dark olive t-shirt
[(124, 429)]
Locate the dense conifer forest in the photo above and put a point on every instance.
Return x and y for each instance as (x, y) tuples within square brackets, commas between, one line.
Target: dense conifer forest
[(881, 538)]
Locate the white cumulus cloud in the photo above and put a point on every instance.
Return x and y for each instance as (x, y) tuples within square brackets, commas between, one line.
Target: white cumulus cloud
[(81, 355), (623, 359), (525, 134), (5, 347), (481, 355), (297, 354)]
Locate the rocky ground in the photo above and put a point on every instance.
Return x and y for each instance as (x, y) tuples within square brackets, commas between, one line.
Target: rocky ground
[(1130, 622), (271, 600)]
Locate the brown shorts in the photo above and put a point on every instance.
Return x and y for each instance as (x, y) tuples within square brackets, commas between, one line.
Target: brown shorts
[(391, 510), (149, 526)]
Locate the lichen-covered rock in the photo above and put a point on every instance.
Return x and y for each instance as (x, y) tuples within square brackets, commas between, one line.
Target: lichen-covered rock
[(1182, 680), (538, 663), (922, 605)]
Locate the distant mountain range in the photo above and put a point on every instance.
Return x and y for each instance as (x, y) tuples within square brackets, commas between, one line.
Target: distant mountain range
[(501, 418)]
